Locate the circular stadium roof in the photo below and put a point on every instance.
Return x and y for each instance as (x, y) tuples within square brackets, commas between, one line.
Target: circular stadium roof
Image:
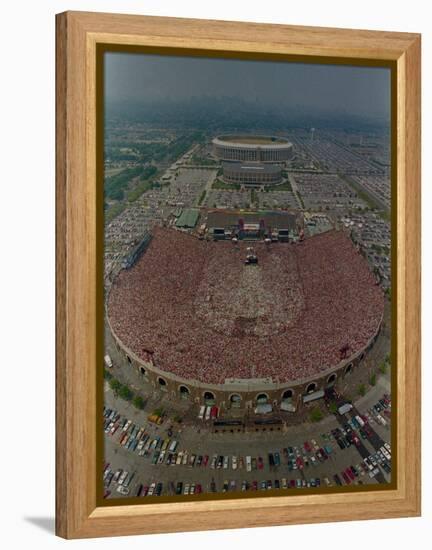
[(207, 316), (252, 142)]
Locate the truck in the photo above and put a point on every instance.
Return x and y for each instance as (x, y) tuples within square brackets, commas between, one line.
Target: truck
[(108, 361), (343, 409)]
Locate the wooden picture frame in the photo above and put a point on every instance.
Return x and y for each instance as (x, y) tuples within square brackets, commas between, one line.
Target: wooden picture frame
[(77, 293)]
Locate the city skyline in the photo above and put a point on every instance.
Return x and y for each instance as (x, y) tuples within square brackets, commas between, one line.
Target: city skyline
[(315, 88)]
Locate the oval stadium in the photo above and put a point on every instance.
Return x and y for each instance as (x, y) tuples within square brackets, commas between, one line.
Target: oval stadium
[(251, 148), (200, 323)]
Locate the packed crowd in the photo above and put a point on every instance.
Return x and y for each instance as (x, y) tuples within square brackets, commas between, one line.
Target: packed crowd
[(168, 303)]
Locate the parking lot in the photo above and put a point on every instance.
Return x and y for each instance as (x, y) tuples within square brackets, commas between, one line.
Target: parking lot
[(146, 458)]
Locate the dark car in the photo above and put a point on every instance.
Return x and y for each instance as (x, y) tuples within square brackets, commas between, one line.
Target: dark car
[(139, 489), (158, 490), (337, 479), (179, 488), (277, 459), (276, 484), (271, 459)]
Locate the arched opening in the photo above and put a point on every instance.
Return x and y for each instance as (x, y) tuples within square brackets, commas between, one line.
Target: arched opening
[(162, 384), (143, 371), (362, 355), (129, 360), (262, 398), (349, 369), (287, 394), (235, 401), (311, 387), (209, 398), (184, 392), (331, 380)]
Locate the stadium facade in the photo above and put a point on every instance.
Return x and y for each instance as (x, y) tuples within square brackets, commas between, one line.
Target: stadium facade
[(251, 174)]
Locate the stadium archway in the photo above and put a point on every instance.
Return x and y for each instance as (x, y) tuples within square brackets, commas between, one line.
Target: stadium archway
[(209, 398), (311, 387), (262, 399), (129, 360), (287, 394), (162, 383), (331, 380), (235, 400), (143, 371), (184, 392), (348, 369)]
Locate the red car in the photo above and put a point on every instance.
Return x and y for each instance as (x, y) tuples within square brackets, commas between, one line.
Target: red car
[(347, 479), (355, 439), (307, 447), (350, 474), (260, 463), (254, 485), (198, 488), (213, 412), (205, 460), (299, 463), (292, 483)]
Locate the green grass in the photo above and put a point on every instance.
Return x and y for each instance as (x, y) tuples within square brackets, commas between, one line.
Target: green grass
[(113, 211), (202, 197), (316, 415), (361, 390)]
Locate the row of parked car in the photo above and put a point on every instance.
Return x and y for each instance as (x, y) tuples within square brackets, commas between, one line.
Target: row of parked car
[(369, 465), (380, 413)]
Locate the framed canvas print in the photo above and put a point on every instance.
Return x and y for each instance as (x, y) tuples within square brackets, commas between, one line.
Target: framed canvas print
[(238, 274)]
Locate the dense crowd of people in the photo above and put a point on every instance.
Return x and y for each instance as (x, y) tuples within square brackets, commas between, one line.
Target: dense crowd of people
[(207, 316)]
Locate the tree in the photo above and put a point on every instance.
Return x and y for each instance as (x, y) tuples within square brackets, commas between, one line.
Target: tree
[(107, 374), (383, 367), (333, 408), (316, 415), (138, 402), (125, 393), (372, 379), (361, 389), (114, 385)]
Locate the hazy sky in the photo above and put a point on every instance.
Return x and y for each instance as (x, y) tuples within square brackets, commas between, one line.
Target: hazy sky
[(354, 90)]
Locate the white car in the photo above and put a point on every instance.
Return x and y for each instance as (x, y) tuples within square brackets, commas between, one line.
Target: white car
[(127, 425), (161, 457), (385, 453), (185, 458), (179, 458), (151, 489), (186, 489), (248, 464), (225, 462), (234, 462), (123, 477), (122, 490), (387, 446)]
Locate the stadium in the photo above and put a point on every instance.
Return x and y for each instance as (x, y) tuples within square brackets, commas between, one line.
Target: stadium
[(252, 148), (202, 324)]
